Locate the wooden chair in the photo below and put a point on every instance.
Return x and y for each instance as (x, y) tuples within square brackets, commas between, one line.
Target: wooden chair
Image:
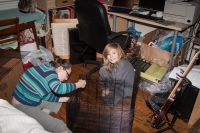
[(11, 27)]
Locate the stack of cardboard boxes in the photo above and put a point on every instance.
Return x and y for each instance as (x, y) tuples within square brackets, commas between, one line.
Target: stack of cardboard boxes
[(11, 69)]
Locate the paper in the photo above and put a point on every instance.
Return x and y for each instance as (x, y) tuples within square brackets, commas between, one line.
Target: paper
[(194, 68), (193, 75)]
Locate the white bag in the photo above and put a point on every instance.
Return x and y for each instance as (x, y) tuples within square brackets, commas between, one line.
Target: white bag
[(39, 57)]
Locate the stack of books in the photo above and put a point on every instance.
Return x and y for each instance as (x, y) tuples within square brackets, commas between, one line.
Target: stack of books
[(62, 13)]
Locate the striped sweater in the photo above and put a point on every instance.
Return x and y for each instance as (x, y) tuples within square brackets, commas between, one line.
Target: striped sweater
[(40, 83)]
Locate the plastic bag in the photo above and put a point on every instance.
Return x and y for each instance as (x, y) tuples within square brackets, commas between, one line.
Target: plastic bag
[(165, 39), (39, 57), (135, 34), (163, 86), (167, 44)]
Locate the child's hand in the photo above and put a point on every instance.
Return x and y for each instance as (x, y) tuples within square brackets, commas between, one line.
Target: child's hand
[(105, 91), (80, 84)]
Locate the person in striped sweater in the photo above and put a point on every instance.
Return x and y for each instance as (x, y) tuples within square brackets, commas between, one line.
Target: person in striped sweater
[(38, 92)]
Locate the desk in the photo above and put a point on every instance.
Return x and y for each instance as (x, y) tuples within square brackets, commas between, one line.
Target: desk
[(177, 27), (26, 20)]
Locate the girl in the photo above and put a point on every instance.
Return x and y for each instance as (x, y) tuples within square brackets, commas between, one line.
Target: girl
[(36, 93), (116, 75)]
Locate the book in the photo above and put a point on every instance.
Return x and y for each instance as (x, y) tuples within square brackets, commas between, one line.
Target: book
[(64, 14), (70, 12)]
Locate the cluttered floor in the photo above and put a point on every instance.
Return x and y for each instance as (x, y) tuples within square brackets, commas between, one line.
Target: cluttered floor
[(142, 113)]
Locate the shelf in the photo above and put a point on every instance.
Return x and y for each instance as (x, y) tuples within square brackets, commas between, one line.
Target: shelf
[(46, 5)]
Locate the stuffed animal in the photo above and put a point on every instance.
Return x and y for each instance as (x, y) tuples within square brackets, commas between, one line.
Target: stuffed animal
[(27, 6)]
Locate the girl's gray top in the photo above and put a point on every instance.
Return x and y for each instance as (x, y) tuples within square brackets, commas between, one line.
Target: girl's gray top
[(120, 83)]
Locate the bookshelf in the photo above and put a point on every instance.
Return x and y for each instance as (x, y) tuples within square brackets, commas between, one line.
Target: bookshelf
[(46, 5)]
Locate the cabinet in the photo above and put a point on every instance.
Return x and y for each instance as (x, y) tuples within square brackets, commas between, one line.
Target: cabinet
[(45, 5)]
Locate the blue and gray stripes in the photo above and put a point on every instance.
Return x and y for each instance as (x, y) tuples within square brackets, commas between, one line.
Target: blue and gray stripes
[(40, 83)]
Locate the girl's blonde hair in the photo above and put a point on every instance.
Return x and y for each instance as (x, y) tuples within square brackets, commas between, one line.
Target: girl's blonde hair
[(106, 51)]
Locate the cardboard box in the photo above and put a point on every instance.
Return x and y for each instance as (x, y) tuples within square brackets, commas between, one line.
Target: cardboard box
[(63, 2), (160, 57), (6, 84), (11, 70), (56, 3), (50, 3)]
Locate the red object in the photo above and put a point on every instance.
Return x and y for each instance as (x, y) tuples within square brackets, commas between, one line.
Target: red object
[(150, 43), (71, 11), (29, 64), (102, 1)]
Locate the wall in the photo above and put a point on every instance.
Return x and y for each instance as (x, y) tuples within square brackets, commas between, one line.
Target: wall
[(8, 4), (144, 29), (121, 25), (109, 2)]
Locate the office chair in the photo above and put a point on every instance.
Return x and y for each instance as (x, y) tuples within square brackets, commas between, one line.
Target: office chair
[(94, 30), (10, 26)]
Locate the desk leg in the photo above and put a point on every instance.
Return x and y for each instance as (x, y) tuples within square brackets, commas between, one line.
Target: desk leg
[(172, 50), (133, 24), (188, 47), (114, 22)]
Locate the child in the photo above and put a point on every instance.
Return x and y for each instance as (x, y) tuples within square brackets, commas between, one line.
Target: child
[(36, 93), (116, 75)]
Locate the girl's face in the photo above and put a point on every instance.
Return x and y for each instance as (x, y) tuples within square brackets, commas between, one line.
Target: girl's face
[(63, 74), (113, 56)]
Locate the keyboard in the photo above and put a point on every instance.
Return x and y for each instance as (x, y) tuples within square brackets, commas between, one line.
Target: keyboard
[(135, 14), (119, 10), (148, 71)]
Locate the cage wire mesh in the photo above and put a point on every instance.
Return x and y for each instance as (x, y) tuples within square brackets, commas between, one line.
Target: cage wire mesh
[(90, 112)]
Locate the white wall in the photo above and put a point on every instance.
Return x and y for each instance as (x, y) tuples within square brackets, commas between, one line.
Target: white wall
[(8, 4), (144, 29)]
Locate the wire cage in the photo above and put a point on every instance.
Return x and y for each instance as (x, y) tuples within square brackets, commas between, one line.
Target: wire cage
[(88, 110)]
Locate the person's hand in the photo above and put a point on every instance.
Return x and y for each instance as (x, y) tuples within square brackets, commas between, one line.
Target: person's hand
[(105, 91), (80, 84)]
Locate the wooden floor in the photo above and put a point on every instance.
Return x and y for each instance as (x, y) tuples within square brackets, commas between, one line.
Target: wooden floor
[(142, 112)]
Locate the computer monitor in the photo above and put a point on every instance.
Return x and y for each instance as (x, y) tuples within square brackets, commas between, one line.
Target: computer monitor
[(123, 3), (152, 5)]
